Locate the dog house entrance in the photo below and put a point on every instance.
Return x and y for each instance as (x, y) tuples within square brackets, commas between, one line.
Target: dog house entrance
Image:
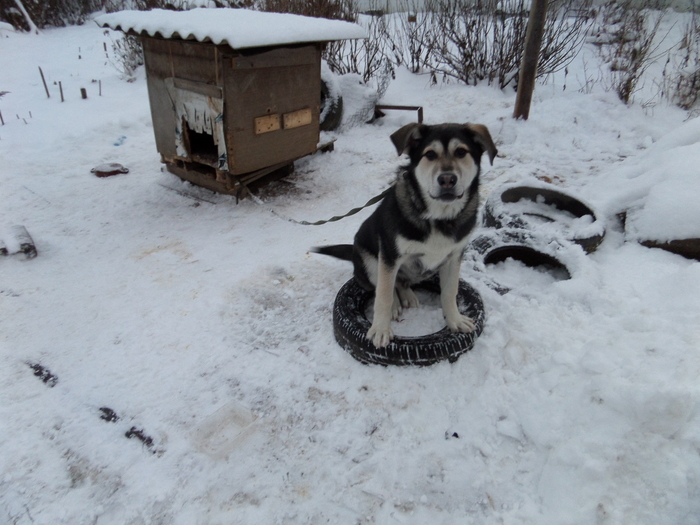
[(199, 113), (200, 146)]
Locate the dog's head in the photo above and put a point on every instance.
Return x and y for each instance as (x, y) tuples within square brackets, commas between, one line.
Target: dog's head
[(445, 158)]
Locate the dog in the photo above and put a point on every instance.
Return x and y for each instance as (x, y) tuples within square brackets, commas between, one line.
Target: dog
[(422, 225)]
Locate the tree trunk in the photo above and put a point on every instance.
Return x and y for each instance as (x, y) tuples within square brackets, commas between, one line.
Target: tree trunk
[(528, 67)]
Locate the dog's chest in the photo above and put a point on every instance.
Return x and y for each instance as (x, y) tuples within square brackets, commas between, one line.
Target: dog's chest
[(425, 257)]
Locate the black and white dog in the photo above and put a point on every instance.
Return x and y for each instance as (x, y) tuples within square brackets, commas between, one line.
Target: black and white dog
[(422, 225)]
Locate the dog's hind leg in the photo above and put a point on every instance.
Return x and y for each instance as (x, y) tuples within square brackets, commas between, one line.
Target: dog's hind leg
[(406, 297), (449, 286), (396, 307)]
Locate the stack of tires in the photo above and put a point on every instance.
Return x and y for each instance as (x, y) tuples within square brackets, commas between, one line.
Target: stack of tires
[(537, 224)]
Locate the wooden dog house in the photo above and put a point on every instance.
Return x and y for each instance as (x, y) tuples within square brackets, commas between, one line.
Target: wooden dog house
[(234, 93)]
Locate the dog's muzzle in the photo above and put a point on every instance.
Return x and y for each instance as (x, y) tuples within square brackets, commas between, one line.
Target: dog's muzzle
[(447, 183)]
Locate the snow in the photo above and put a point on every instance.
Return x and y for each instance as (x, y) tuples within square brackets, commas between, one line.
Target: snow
[(662, 202), (206, 324), (239, 28)]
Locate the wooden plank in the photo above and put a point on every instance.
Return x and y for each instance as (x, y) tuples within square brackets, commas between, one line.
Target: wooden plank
[(297, 119), (207, 90), (267, 123)]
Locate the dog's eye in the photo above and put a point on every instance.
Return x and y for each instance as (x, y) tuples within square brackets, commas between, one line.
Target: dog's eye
[(430, 155), (460, 153)]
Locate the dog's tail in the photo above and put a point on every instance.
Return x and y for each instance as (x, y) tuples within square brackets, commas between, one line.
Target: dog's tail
[(340, 251)]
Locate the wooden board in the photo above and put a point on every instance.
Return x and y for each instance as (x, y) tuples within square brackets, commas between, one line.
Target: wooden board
[(296, 119), (271, 89), (267, 123)]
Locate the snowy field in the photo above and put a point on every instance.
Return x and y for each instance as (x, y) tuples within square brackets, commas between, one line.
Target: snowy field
[(193, 319)]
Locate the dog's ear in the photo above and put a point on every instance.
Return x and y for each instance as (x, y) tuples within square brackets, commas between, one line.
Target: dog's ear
[(483, 137), (407, 137)]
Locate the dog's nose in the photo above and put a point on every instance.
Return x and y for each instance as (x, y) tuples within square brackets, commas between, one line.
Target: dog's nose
[(447, 180)]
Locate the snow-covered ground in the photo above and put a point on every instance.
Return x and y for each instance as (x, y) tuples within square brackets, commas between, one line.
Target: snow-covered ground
[(191, 319)]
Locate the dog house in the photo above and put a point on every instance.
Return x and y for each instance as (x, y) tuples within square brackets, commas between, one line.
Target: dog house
[(234, 93)]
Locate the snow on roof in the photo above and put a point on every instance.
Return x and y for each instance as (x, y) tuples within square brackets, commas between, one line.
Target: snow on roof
[(239, 28)]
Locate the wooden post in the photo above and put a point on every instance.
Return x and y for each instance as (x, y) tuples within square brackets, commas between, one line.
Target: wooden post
[(1, 120), (83, 93), (48, 95), (60, 88), (528, 66)]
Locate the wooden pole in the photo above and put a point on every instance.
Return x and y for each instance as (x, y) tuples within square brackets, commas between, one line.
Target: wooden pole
[(528, 66), (1, 120), (60, 88), (83, 93), (48, 95)]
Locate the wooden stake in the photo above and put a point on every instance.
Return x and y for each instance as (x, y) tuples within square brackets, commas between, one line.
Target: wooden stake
[(60, 88), (83, 93), (1, 120), (48, 95), (100, 84)]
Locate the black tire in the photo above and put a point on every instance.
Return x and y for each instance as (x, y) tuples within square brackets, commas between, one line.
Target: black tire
[(351, 325), (331, 108), (532, 249), (499, 212)]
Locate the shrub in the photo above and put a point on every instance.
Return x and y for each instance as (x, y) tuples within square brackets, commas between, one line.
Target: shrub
[(682, 85), (57, 13), (626, 36), (483, 41)]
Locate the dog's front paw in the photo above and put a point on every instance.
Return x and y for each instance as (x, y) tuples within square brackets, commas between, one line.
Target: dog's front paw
[(461, 323), (380, 337)]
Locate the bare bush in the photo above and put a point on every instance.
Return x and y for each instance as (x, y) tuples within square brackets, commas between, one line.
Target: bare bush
[(334, 9), (477, 43), (482, 40), (627, 38), (409, 34), (56, 13), (366, 57), (682, 84), (173, 5), (127, 56)]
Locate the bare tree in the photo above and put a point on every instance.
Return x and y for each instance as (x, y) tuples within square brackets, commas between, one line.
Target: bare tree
[(528, 69)]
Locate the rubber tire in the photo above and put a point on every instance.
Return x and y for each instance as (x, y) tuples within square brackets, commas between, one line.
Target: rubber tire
[(497, 215), (496, 245), (333, 109), (350, 326)]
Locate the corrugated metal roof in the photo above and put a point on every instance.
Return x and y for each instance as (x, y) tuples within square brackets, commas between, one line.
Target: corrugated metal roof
[(239, 28)]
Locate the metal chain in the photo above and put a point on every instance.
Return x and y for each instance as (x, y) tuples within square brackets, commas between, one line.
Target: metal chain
[(353, 211)]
